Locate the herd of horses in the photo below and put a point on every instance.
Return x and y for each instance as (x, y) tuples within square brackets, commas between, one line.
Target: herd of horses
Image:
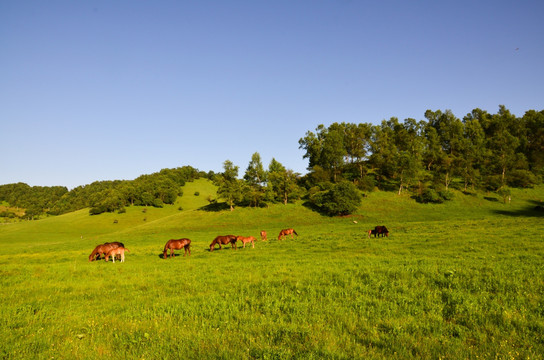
[(117, 249)]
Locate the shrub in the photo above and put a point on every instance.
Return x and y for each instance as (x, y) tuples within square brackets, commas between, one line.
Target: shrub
[(96, 210), (505, 193), (7, 214), (341, 199), (522, 179), (429, 196), (446, 195), (367, 183)]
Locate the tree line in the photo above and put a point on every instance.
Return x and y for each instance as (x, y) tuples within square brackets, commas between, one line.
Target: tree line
[(482, 151), (155, 190)]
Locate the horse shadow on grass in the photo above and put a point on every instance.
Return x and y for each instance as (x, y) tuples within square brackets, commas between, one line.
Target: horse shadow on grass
[(161, 256), (223, 248), (533, 208)]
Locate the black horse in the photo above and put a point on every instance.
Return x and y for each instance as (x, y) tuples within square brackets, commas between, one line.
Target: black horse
[(379, 230)]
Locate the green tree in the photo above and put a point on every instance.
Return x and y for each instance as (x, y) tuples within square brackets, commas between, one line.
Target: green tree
[(357, 144), (408, 157), (474, 150), (229, 187), (108, 200), (312, 143), (333, 151), (432, 153), (282, 183), (534, 151), (383, 150), (255, 178), (502, 144), (325, 148), (450, 134), (32, 213)]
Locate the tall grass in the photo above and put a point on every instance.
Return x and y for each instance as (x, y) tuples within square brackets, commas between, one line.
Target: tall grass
[(456, 280)]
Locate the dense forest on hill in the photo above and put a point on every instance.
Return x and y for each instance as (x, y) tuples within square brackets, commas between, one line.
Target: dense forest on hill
[(147, 190), (482, 151)]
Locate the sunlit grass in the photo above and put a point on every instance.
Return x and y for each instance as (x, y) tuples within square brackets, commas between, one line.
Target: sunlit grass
[(450, 282)]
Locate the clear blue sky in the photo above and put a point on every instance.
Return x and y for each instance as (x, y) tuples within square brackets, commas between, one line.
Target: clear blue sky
[(105, 90)]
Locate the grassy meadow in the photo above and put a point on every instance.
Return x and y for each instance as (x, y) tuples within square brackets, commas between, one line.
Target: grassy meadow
[(459, 280)]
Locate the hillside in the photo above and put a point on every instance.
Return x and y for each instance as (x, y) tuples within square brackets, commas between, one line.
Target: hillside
[(148, 225), (461, 279)]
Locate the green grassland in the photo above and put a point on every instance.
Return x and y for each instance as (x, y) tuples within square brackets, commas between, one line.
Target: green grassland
[(463, 279)]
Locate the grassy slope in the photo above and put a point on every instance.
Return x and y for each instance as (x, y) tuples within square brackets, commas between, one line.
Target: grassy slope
[(458, 278)]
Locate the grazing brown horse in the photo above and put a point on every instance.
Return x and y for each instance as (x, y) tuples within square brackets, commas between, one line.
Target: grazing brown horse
[(379, 230), (286, 232), (224, 240), (245, 240), (103, 250), (174, 244), (263, 236), (117, 251)]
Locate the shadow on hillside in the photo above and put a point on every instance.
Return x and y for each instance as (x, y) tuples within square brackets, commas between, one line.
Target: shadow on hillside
[(534, 208), (215, 207), (308, 205)]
